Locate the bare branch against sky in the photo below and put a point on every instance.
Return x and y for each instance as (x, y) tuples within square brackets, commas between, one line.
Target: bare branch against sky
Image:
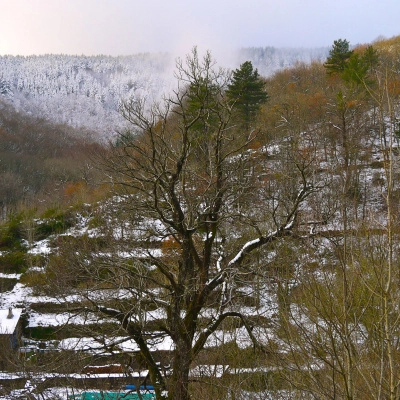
[(119, 27)]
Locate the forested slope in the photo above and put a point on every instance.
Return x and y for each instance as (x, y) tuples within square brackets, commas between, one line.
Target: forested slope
[(246, 244), (87, 91), (40, 160)]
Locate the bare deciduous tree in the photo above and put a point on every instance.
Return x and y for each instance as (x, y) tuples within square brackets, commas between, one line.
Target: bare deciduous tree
[(195, 203)]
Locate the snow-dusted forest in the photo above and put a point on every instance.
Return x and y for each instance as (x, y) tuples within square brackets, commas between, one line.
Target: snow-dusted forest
[(87, 91)]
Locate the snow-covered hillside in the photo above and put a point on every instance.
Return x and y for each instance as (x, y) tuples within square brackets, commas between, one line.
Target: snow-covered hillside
[(87, 91)]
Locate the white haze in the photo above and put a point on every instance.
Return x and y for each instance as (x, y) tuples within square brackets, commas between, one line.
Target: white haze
[(121, 27)]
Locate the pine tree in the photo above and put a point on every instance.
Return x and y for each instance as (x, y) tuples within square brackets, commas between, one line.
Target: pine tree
[(352, 67), (247, 93), (5, 88), (338, 56)]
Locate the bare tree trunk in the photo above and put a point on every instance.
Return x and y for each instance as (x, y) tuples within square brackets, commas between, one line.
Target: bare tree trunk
[(179, 383)]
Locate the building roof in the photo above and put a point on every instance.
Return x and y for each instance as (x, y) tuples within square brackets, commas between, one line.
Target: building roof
[(111, 396), (8, 325)]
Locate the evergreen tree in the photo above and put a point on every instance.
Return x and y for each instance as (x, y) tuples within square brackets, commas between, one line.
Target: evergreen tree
[(247, 93), (355, 70), (202, 102), (338, 56), (203, 106), (5, 88), (359, 66)]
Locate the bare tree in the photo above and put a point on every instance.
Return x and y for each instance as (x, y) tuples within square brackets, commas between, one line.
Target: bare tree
[(196, 202)]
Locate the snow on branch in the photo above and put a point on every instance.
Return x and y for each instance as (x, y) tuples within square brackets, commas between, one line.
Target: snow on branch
[(246, 248)]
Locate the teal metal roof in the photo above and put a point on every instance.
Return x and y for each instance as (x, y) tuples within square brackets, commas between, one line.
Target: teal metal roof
[(111, 396)]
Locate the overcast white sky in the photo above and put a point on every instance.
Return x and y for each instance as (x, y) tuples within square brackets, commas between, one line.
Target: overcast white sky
[(118, 27)]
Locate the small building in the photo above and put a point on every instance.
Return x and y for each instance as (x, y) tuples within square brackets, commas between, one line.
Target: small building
[(10, 327)]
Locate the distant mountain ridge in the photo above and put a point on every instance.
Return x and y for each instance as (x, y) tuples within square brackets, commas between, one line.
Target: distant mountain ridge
[(86, 91)]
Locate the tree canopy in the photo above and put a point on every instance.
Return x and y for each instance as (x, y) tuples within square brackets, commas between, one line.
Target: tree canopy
[(247, 92), (338, 56)]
